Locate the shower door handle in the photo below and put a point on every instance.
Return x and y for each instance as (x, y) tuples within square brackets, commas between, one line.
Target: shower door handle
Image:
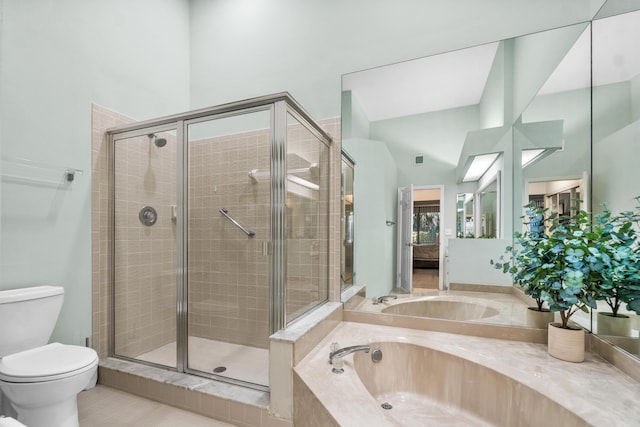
[(224, 212), (266, 248)]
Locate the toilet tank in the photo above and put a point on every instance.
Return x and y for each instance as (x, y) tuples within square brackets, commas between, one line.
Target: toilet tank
[(28, 316)]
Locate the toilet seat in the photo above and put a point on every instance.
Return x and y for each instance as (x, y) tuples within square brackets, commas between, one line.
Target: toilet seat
[(47, 363)]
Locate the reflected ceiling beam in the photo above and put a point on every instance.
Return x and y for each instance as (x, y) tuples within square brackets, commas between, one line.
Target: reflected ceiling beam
[(480, 150), (537, 140), (530, 156)]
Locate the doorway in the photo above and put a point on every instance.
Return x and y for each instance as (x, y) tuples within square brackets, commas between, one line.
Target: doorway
[(420, 238), (426, 237)]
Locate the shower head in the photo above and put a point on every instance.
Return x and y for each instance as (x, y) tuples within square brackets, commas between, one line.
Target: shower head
[(159, 142)]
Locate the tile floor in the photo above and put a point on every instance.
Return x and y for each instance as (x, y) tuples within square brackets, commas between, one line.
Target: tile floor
[(425, 278), (104, 406)]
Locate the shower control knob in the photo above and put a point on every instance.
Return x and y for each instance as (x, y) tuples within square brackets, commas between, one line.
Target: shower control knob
[(148, 216)]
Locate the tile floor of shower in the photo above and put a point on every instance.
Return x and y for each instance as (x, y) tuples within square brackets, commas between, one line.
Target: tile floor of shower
[(240, 362)]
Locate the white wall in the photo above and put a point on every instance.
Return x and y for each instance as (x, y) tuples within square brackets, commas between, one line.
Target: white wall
[(616, 142), (442, 135), (495, 101), (246, 48), (615, 170), (375, 199), (469, 261), (355, 123), (57, 58)]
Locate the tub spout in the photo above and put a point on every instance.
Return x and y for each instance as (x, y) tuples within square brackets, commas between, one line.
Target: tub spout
[(348, 350), (335, 357), (384, 298)]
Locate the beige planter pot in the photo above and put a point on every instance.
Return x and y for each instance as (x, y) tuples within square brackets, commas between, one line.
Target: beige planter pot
[(538, 319), (619, 326), (635, 322), (566, 344)]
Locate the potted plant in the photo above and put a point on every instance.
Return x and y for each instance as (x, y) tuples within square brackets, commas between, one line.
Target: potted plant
[(551, 259), (524, 264), (615, 266)]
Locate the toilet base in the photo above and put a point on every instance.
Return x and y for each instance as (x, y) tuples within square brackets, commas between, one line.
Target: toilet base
[(62, 414), (5, 407)]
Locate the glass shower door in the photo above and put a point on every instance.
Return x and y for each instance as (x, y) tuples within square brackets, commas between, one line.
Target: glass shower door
[(144, 245), (307, 219), (228, 233)]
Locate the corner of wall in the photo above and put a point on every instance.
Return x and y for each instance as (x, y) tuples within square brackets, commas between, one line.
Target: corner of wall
[(289, 346)]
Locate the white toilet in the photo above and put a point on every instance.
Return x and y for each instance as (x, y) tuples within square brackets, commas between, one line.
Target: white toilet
[(39, 382)]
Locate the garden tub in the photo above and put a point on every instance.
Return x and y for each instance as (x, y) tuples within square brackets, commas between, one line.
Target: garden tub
[(420, 386), (433, 378), (446, 307)]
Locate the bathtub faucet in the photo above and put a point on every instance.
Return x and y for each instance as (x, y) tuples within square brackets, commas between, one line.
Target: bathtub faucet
[(384, 298), (348, 350), (335, 357)]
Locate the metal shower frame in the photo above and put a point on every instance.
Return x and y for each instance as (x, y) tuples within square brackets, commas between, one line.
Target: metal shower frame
[(280, 105)]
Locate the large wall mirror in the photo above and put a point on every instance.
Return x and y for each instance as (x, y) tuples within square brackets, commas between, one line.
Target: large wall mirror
[(347, 226), (616, 135), (552, 135), (497, 126)]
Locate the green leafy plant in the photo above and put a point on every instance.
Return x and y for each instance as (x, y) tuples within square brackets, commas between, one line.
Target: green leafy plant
[(615, 259), (525, 262), (550, 261)]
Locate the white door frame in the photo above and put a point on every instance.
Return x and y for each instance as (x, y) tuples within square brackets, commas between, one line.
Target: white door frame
[(443, 215), (404, 251)]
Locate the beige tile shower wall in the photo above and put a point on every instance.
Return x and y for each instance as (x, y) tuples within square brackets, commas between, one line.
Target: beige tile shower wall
[(146, 260), (145, 256), (101, 120), (228, 274)]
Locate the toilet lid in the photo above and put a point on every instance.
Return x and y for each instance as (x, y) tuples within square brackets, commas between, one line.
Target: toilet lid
[(48, 362)]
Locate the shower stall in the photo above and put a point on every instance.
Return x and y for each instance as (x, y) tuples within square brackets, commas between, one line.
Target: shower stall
[(219, 235)]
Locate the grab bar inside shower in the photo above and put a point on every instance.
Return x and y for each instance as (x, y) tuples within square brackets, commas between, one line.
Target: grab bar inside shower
[(224, 212)]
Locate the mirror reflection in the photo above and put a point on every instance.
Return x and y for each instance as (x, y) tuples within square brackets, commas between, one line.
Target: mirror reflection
[(482, 221), (464, 216), (562, 196), (425, 239), (489, 211), (522, 105), (346, 221), (551, 138), (616, 147)]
